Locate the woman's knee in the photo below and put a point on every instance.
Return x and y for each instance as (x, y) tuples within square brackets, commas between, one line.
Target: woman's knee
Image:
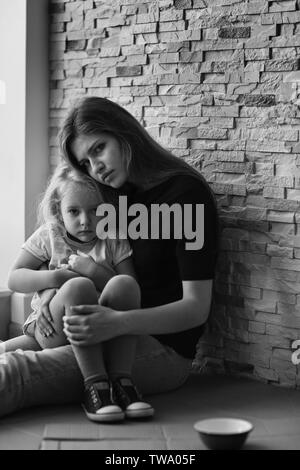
[(78, 290), (121, 292)]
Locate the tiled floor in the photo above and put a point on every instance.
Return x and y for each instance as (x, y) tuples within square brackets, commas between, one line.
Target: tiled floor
[(274, 411)]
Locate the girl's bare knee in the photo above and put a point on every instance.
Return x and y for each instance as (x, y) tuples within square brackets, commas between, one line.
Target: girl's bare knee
[(78, 290), (122, 291), (77, 284)]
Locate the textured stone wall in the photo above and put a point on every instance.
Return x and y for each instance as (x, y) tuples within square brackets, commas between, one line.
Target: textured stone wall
[(216, 81)]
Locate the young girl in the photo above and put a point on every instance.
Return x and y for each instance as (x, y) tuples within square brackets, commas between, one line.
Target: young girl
[(65, 254)]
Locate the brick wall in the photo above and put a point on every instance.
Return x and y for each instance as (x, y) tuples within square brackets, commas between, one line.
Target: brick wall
[(216, 81)]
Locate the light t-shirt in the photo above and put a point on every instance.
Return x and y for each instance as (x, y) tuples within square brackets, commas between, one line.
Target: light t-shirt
[(51, 244)]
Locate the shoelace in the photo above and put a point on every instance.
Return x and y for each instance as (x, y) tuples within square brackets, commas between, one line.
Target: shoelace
[(100, 396)]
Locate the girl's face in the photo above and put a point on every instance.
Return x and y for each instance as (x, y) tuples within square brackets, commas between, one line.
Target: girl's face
[(78, 210), (100, 156)]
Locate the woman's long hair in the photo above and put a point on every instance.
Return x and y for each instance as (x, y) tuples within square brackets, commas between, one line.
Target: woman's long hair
[(49, 209), (148, 163)]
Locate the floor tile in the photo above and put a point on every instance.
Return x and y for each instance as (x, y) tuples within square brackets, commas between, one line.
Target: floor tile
[(274, 412), (185, 444), (274, 443), (116, 444), (71, 431), (12, 439), (287, 427), (50, 445), (179, 431), (126, 430), (132, 430)]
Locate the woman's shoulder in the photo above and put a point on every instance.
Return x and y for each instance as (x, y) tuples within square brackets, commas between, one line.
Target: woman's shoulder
[(190, 186), (187, 179)]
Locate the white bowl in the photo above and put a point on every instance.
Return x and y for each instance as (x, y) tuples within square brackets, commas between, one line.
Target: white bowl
[(223, 433)]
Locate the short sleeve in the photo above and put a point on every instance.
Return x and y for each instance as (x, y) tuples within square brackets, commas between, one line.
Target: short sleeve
[(119, 250), (38, 244), (197, 250)]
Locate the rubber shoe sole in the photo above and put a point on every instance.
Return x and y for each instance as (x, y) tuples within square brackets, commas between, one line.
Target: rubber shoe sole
[(137, 411), (105, 417)]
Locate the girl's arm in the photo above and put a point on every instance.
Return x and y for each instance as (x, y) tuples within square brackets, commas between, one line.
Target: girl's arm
[(100, 275), (26, 277), (103, 323), (86, 266)]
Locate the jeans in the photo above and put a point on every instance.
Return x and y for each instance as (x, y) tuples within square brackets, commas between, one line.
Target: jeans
[(51, 376)]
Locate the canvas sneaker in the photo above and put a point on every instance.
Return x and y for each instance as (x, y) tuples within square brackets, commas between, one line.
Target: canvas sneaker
[(99, 405), (130, 400)]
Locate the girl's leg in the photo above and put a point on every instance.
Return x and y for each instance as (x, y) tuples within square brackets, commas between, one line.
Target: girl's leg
[(24, 342), (123, 293), (52, 376), (97, 402), (76, 291)]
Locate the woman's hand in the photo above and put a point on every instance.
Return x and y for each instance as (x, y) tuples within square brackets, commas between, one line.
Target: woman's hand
[(82, 264), (92, 324), (44, 321)]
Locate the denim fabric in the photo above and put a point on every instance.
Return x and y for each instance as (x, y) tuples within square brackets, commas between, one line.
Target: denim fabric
[(51, 376)]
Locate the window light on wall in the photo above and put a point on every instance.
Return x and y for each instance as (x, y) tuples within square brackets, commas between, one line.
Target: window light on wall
[(2, 92)]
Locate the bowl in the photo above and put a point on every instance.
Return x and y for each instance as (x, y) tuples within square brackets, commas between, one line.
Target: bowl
[(223, 433)]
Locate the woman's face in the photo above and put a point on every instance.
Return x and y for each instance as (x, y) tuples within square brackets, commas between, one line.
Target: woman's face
[(100, 156)]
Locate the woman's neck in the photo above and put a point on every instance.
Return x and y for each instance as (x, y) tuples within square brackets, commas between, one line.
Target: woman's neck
[(144, 185)]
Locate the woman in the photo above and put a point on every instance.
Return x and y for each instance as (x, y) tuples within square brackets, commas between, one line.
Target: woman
[(104, 141)]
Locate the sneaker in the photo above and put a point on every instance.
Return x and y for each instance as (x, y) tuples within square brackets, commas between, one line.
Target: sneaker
[(130, 400), (99, 405)]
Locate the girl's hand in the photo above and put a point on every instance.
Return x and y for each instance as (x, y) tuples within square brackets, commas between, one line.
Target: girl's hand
[(44, 319), (92, 324), (82, 264)]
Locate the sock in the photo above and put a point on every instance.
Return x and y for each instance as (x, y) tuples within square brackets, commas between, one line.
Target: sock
[(120, 375), (94, 379), (119, 356)]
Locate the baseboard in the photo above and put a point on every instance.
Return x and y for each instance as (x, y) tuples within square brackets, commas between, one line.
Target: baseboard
[(20, 307)]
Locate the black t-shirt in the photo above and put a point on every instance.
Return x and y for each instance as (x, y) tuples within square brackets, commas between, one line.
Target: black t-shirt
[(162, 264)]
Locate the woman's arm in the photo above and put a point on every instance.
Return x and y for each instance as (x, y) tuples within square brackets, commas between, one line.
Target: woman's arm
[(103, 323), (100, 276), (191, 311), (26, 277), (126, 267)]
